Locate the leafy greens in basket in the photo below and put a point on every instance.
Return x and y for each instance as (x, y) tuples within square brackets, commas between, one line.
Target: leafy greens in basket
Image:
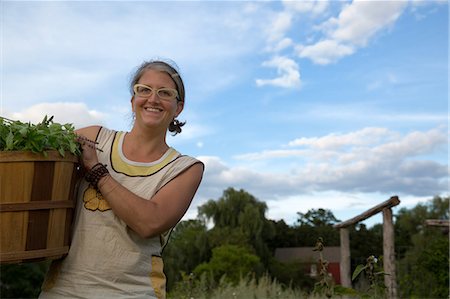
[(38, 138)]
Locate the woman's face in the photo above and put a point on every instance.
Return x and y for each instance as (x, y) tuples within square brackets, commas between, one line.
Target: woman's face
[(154, 111)]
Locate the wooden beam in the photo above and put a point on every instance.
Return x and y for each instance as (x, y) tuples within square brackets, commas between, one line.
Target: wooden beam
[(437, 222), (389, 254), (393, 201), (345, 265)]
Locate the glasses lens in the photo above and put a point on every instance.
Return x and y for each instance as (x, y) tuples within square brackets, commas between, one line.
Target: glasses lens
[(142, 90), (167, 93)]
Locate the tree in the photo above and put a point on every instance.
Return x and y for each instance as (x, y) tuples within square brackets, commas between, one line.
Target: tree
[(410, 222), (316, 217), (365, 242), (423, 267), (187, 248), (229, 261), (239, 214), (317, 223)]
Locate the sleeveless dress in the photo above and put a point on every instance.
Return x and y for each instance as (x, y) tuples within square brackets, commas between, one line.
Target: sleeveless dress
[(106, 258)]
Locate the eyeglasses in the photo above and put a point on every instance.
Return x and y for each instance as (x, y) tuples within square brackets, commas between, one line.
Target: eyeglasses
[(164, 93)]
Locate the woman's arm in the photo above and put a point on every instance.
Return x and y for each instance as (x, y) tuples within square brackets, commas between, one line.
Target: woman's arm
[(149, 218)]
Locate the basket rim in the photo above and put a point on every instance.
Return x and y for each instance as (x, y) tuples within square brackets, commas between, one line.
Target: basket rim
[(28, 156)]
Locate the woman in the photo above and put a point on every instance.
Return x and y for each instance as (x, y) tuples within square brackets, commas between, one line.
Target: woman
[(136, 189)]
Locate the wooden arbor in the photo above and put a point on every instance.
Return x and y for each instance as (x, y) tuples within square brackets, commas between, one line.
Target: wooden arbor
[(388, 244)]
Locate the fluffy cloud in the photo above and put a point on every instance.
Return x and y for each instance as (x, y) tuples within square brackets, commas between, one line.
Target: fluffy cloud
[(356, 24), (287, 69), (338, 36), (347, 173), (369, 160), (75, 113)]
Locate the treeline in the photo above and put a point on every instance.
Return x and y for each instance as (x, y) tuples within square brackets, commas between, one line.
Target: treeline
[(235, 224), (231, 238)]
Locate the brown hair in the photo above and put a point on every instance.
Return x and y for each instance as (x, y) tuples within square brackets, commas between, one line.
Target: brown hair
[(172, 70)]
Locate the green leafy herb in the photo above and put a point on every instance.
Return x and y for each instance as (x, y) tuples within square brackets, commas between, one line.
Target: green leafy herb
[(38, 138)]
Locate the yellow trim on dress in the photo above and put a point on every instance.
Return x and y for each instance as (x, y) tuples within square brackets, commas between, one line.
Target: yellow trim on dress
[(137, 170)]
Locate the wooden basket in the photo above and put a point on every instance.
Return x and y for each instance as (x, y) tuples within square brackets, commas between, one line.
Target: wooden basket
[(37, 202)]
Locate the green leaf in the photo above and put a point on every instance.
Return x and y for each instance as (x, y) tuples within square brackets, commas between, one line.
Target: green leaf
[(10, 141), (61, 151), (358, 271)]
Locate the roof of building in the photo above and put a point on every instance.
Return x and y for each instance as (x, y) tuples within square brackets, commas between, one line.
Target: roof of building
[(306, 254)]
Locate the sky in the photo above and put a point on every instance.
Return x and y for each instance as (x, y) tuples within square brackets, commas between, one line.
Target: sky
[(304, 104)]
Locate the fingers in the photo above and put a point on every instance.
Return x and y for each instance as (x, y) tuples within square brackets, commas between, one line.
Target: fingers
[(88, 142)]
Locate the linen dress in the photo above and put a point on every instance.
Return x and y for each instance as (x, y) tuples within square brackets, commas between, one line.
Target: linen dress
[(106, 258)]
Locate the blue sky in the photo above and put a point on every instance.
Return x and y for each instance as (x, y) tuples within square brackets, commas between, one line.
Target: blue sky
[(304, 104)]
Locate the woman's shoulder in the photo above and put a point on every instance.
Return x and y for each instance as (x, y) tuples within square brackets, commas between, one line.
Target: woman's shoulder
[(89, 132), (94, 132)]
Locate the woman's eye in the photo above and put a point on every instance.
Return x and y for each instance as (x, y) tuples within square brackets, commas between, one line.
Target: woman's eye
[(165, 93), (144, 90)]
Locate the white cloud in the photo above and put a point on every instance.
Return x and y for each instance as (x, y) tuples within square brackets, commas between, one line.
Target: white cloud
[(75, 113), (287, 69), (361, 20), (357, 23), (280, 24), (325, 51), (314, 7), (368, 160), (362, 137)]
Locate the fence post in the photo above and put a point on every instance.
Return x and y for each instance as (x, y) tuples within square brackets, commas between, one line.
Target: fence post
[(345, 258), (389, 254)]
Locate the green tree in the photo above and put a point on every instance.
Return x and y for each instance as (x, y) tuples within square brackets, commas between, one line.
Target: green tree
[(317, 223), (365, 242), (317, 217), (229, 261), (239, 217), (187, 248), (410, 222), (424, 263)]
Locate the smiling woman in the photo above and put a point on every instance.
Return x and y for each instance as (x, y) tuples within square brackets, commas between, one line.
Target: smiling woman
[(135, 191)]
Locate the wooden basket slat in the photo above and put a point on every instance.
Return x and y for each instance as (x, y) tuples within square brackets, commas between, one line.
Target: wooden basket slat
[(37, 202)]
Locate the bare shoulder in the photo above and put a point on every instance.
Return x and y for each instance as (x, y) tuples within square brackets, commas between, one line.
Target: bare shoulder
[(90, 132), (192, 176)]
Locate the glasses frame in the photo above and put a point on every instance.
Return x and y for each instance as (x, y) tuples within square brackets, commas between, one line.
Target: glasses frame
[(153, 90)]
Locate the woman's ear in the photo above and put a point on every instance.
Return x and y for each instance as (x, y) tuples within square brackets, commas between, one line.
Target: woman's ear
[(180, 106), (132, 103)]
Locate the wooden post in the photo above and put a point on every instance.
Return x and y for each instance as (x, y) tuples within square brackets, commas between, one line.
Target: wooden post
[(345, 258), (389, 254)]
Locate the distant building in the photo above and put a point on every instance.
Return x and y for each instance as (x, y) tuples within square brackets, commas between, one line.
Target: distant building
[(310, 259)]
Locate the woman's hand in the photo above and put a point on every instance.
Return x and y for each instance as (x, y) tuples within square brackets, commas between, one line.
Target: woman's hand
[(88, 152)]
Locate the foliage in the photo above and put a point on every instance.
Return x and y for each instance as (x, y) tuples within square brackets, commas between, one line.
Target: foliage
[(229, 261), (410, 222), (22, 280), (39, 138), (188, 247), (317, 222), (317, 217), (239, 218), (423, 269), (375, 276), (247, 287), (291, 274), (365, 242), (325, 285)]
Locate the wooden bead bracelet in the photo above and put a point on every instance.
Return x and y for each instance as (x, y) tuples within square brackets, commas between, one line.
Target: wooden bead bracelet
[(94, 175)]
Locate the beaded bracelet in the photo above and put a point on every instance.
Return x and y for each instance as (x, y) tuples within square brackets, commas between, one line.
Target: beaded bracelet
[(94, 175)]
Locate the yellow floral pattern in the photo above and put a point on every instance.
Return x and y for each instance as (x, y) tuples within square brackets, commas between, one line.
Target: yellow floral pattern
[(93, 200)]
